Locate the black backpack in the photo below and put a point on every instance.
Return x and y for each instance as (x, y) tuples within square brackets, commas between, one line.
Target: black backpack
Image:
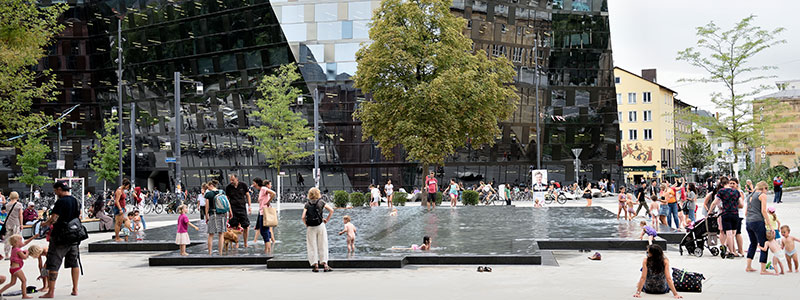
[(314, 214), (73, 233)]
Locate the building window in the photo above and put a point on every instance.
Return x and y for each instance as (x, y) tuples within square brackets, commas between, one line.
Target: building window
[(619, 98), (648, 134), (498, 50), (616, 79), (646, 97), (516, 54), (632, 134), (632, 116), (631, 98), (648, 115), (620, 116), (620, 135)]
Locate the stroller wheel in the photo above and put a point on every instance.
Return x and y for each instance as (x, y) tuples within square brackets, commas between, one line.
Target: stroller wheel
[(680, 250), (714, 251), (698, 252)]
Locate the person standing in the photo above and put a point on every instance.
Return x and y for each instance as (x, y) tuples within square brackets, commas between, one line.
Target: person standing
[(65, 210), (316, 233), (389, 190), (201, 201), (756, 226), (690, 205), (239, 196), (777, 186), (120, 216), (13, 222), (669, 198), (432, 186), (265, 196), (215, 222), (640, 196), (730, 199)]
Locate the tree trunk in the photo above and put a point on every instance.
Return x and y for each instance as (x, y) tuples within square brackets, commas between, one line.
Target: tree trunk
[(104, 189)]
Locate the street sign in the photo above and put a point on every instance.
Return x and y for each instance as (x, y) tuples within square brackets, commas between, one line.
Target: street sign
[(70, 173), (658, 172), (577, 152), (729, 151), (60, 164), (170, 160), (694, 170)]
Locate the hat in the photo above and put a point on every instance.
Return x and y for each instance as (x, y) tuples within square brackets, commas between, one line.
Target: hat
[(31, 204), (771, 209), (61, 185)]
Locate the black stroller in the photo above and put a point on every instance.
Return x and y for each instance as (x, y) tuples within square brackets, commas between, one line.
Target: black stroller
[(699, 235)]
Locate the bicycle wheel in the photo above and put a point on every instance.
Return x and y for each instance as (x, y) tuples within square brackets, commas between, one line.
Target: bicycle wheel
[(548, 199), (158, 208), (148, 208), (562, 199)]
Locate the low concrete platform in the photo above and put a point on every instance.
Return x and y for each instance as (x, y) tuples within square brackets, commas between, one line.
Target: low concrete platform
[(597, 244), (175, 259), (402, 261), (672, 237), (139, 246)]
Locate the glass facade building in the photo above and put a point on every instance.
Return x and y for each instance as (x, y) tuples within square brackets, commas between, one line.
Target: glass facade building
[(229, 44)]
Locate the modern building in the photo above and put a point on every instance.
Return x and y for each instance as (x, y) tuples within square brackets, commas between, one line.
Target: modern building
[(561, 49), (682, 130), (785, 136), (647, 125)]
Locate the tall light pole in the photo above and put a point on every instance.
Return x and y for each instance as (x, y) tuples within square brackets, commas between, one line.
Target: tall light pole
[(537, 117), (177, 147), (133, 145), (316, 138), (119, 89)]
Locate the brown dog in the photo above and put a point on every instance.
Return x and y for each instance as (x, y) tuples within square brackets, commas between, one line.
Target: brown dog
[(231, 238)]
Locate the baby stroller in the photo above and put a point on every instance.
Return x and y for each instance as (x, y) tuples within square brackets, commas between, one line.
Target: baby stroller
[(699, 235)]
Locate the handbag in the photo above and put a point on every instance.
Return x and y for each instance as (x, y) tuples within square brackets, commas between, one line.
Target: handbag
[(270, 216), (687, 281)]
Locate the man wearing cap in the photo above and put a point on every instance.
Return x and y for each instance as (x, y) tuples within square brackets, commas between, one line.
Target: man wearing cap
[(65, 210), (30, 215)]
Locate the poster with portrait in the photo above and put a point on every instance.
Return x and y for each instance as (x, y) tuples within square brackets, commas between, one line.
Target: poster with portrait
[(539, 184)]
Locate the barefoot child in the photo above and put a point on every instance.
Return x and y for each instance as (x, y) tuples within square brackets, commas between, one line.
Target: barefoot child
[(17, 259), (654, 209), (536, 204), (350, 229), (39, 253), (426, 245), (649, 231), (772, 219), (182, 237), (788, 247), (774, 246), (138, 229), (622, 200)]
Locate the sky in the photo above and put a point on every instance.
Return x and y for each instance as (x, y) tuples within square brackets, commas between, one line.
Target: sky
[(648, 34)]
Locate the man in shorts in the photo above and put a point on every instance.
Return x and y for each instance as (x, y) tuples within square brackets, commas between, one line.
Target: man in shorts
[(239, 196), (431, 186), (65, 210), (120, 215)]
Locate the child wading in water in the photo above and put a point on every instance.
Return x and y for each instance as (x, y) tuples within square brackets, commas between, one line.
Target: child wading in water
[(774, 246), (17, 259), (350, 229), (182, 236), (426, 245), (649, 231), (788, 247), (622, 201)]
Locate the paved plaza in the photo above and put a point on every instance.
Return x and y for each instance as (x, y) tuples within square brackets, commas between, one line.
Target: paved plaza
[(128, 276)]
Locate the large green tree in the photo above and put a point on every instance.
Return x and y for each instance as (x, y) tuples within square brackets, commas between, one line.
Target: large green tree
[(105, 162), (25, 29), (696, 153), (430, 92), (282, 132), (32, 159), (726, 57)]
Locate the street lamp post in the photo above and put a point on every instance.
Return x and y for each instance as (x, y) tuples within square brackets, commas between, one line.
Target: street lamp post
[(178, 123), (316, 138), (119, 90)]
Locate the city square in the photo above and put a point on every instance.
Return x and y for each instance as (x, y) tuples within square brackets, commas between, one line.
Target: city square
[(398, 149)]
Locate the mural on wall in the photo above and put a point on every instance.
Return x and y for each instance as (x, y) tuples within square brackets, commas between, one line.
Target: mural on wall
[(638, 152)]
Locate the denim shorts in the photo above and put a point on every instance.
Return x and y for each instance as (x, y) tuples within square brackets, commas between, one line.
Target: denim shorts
[(663, 210)]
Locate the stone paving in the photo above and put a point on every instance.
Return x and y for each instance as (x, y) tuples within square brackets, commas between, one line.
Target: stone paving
[(127, 276)]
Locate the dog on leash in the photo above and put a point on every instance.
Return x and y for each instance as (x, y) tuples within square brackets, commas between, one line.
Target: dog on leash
[(231, 238)]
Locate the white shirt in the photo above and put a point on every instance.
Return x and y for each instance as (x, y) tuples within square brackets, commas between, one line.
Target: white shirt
[(388, 188), (201, 200), (487, 188), (376, 193), (501, 190)]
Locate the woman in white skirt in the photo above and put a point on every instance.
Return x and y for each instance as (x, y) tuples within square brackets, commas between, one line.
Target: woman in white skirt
[(182, 236)]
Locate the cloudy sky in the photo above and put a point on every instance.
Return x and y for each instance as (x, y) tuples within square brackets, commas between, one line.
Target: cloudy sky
[(648, 34)]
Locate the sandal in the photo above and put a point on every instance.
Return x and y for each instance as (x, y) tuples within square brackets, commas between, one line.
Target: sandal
[(487, 269), (480, 269), (326, 268), (315, 269)]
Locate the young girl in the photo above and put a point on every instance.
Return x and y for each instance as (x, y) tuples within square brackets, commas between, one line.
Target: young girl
[(375, 194), (536, 204), (17, 259), (587, 194), (350, 229), (39, 253), (772, 219), (654, 210), (773, 246), (631, 211), (649, 231), (138, 230), (389, 190), (426, 245), (453, 193), (622, 200), (182, 237)]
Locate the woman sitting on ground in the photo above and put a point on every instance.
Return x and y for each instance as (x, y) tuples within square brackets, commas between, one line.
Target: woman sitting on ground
[(656, 274)]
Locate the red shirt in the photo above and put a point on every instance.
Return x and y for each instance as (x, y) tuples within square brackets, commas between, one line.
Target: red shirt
[(432, 184), (122, 200)]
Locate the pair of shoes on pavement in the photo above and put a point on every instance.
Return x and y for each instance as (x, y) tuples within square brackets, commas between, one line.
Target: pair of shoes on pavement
[(596, 256), (484, 269)]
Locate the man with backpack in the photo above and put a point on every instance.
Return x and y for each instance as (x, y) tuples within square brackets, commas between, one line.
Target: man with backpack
[(217, 211), (65, 210)]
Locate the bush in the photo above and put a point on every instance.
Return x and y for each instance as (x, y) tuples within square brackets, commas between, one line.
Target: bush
[(340, 198), (357, 199), (438, 197), (399, 198), (470, 198)]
